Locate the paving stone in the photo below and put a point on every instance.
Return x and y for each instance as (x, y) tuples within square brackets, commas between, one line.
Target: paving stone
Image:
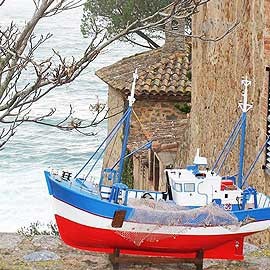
[(46, 241), (9, 240), (43, 255)]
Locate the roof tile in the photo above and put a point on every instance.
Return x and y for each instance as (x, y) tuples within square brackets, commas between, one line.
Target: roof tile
[(159, 74)]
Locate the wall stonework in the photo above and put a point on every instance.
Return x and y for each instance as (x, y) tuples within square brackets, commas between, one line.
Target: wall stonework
[(217, 69), (160, 121)]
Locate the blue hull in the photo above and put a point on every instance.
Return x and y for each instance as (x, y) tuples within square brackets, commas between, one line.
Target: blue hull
[(84, 200)]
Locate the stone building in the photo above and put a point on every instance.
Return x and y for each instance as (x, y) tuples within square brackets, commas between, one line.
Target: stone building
[(217, 69), (162, 97)]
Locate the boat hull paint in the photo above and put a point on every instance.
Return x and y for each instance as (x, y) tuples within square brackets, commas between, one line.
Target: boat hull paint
[(181, 246), (93, 204), (83, 200), (87, 231), (85, 222)]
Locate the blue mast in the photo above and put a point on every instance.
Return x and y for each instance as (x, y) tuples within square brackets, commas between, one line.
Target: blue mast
[(245, 107), (131, 100)]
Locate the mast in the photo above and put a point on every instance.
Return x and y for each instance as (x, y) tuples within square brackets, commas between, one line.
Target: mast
[(245, 107), (131, 100)]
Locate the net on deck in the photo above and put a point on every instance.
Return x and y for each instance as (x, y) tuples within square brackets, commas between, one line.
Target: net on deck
[(162, 214)]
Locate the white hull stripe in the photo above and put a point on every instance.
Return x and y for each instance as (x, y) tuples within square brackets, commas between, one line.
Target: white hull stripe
[(84, 218)]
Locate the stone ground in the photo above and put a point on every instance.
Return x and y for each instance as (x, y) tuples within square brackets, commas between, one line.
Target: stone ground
[(49, 252)]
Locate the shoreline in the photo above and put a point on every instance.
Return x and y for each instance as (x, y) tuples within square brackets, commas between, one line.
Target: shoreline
[(40, 252)]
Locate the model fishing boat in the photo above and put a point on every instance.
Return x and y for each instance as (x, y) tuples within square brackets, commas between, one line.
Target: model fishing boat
[(199, 211)]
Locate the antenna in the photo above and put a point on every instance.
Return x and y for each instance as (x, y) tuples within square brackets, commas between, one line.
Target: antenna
[(244, 106), (131, 98)]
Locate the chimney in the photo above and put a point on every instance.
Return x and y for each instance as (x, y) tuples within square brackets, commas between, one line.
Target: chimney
[(174, 35)]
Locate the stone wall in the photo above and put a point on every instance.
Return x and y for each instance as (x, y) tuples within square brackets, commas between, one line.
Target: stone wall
[(217, 69), (160, 121), (166, 125), (267, 31)]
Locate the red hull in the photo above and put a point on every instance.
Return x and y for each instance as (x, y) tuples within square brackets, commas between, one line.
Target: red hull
[(181, 246)]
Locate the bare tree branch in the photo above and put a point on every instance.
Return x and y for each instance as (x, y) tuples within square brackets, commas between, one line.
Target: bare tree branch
[(17, 49)]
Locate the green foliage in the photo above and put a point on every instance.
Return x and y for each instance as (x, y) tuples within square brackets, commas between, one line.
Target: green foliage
[(189, 73), (127, 175), (115, 15), (37, 228), (183, 107)]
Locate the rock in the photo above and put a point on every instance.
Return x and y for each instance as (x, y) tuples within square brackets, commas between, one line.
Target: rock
[(9, 240), (42, 255), (46, 241), (248, 248)]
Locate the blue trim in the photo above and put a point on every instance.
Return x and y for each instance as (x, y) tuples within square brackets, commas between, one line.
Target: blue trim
[(242, 150), (92, 203), (83, 199), (193, 168), (49, 186)]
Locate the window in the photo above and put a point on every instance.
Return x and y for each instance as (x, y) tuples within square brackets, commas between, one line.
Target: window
[(178, 187), (189, 187), (175, 25)]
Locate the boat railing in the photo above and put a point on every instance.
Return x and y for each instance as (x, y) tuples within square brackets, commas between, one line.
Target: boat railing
[(122, 194), (138, 194), (263, 200)]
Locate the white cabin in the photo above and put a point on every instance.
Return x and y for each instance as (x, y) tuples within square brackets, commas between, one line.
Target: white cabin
[(198, 186)]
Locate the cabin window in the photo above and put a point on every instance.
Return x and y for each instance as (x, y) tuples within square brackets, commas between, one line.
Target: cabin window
[(226, 196), (178, 187), (189, 187)]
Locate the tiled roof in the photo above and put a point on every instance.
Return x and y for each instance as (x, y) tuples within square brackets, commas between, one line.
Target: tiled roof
[(159, 74), (158, 133)]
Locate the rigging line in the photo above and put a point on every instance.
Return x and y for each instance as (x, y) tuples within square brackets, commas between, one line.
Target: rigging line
[(109, 140), (113, 131), (255, 161), (231, 144), (226, 144), (146, 145), (141, 125), (230, 147)]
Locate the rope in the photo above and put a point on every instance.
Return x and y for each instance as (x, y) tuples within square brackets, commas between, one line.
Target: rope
[(113, 131), (108, 142), (232, 141), (226, 144), (141, 125), (146, 146), (255, 161)]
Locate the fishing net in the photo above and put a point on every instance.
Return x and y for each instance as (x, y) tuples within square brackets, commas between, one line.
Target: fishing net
[(160, 213)]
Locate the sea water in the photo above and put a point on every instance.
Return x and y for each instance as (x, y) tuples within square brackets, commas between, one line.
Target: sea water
[(23, 192)]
